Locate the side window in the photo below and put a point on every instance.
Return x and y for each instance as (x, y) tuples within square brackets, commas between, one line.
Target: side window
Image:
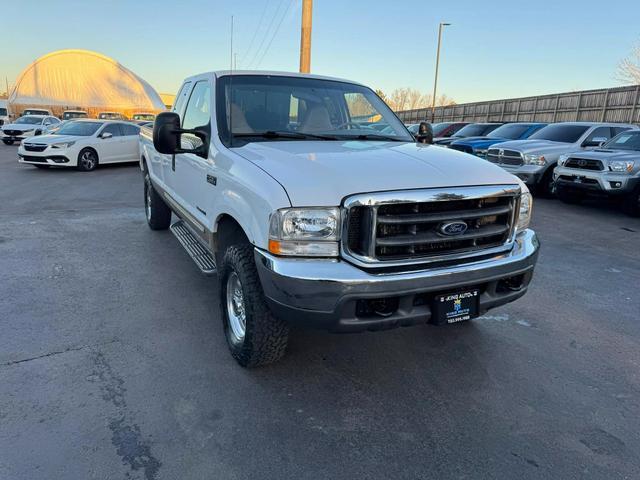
[(617, 130), (113, 129), (600, 134), (181, 98), (197, 113), (129, 129)]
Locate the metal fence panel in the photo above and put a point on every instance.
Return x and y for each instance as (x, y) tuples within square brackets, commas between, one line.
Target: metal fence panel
[(620, 104)]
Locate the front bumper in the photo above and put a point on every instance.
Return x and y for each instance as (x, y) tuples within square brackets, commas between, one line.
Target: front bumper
[(329, 294), (529, 174), (46, 157), (595, 181)]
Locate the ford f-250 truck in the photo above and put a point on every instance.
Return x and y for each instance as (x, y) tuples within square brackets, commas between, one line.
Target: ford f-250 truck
[(308, 218)]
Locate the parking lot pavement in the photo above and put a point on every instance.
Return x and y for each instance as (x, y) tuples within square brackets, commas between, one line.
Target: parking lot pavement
[(113, 362)]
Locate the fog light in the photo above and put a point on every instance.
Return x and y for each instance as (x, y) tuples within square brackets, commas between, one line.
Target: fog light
[(615, 184)]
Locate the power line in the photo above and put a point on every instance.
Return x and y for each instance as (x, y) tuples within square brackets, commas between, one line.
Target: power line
[(266, 34), (275, 32), (255, 33)]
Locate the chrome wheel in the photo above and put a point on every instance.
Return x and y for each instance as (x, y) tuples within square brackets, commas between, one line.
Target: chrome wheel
[(88, 160), (236, 313)]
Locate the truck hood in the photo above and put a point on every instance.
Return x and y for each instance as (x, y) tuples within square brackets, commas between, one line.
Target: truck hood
[(608, 155), (539, 147), (479, 142), (21, 127), (323, 173)]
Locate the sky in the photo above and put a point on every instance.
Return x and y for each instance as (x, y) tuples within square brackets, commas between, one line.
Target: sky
[(494, 48)]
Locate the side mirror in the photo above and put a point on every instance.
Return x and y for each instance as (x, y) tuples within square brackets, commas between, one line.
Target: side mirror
[(106, 135), (425, 133), (167, 133)]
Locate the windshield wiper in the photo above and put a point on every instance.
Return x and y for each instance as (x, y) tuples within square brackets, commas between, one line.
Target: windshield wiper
[(373, 136), (272, 134)]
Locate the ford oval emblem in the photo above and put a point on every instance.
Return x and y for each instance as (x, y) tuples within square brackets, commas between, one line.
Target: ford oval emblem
[(452, 229)]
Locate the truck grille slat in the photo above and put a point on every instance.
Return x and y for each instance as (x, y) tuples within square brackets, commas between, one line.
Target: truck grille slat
[(504, 157), (409, 229), (584, 164)]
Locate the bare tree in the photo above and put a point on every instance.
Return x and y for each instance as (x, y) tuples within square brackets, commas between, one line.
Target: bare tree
[(411, 99), (629, 68)]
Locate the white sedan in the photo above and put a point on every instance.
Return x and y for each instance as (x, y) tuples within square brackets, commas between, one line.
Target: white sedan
[(28, 126), (83, 144)]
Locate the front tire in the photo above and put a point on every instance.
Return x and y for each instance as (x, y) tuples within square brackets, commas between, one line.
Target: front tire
[(87, 160), (546, 188), (7, 142), (254, 335), (157, 212)]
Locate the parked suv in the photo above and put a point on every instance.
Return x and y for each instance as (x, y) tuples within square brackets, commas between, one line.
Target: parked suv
[(613, 170), (534, 159), (28, 126), (308, 218), (512, 131), (471, 130)]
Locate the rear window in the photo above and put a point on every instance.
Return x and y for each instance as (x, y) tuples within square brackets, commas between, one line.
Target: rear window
[(560, 133)]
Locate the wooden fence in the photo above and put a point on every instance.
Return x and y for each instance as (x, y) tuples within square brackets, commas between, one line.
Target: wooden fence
[(619, 104)]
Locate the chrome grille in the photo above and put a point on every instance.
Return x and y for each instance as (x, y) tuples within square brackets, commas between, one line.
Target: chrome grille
[(409, 227), (584, 164), (504, 157)]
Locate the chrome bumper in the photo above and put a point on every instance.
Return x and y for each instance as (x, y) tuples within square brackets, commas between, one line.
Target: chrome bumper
[(324, 293)]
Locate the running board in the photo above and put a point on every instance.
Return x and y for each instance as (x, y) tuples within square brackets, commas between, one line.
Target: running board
[(200, 255)]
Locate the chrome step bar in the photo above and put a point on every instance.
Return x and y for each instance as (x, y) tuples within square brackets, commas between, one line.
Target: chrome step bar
[(198, 253)]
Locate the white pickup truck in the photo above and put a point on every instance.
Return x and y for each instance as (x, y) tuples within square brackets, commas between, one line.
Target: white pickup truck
[(311, 217)]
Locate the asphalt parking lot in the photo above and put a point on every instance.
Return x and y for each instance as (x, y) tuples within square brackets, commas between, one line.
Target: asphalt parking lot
[(113, 363)]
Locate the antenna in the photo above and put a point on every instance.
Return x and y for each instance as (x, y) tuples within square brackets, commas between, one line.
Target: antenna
[(231, 87)]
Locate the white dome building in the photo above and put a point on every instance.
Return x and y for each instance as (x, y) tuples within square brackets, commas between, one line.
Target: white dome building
[(82, 80)]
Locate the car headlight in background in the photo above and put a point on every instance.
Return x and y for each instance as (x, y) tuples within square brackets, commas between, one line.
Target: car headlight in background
[(306, 232), (562, 160), (63, 145), (532, 159), (621, 166), (526, 208), (480, 152)]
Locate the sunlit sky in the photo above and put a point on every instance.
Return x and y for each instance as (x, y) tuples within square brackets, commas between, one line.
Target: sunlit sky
[(494, 49)]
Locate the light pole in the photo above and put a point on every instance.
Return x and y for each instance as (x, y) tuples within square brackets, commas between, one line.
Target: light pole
[(435, 82)]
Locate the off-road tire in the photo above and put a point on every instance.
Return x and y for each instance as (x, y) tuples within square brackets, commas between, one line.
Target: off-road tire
[(631, 203), (266, 336), (567, 196), (7, 142), (157, 212), (85, 166)]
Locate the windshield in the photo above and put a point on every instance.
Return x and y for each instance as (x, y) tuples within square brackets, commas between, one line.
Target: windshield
[(560, 133), (265, 108), (438, 128), (512, 131), (80, 129), (624, 141), (109, 116), (35, 112), (3, 111), (29, 120), (143, 116), (68, 115), (476, 130)]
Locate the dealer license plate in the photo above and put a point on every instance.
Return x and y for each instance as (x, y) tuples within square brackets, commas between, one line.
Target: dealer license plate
[(455, 307)]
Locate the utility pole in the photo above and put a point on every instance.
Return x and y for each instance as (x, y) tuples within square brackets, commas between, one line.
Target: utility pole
[(305, 37), (435, 82)]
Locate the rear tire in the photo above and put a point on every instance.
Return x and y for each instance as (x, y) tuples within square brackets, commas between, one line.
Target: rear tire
[(87, 160), (254, 335), (157, 212), (7, 142), (631, 203), (567, 196)]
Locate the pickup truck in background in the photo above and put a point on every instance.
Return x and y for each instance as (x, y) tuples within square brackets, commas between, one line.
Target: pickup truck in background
[(308, 218), (534, 159), (471, 130), (511, 131)]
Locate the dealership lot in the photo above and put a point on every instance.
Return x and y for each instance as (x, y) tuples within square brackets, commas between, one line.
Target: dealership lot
[(113, 361)]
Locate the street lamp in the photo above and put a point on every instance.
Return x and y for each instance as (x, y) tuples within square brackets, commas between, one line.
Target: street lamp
[(435, 82)]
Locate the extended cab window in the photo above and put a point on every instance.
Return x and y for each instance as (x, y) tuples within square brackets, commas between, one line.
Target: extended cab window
[(197, 114)]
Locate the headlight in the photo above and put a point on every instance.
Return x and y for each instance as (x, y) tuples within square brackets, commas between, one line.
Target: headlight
[(63, 145), (534, 159), (562, 159), (481, 152), (307, 232), (526, 207), (622, 166)]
